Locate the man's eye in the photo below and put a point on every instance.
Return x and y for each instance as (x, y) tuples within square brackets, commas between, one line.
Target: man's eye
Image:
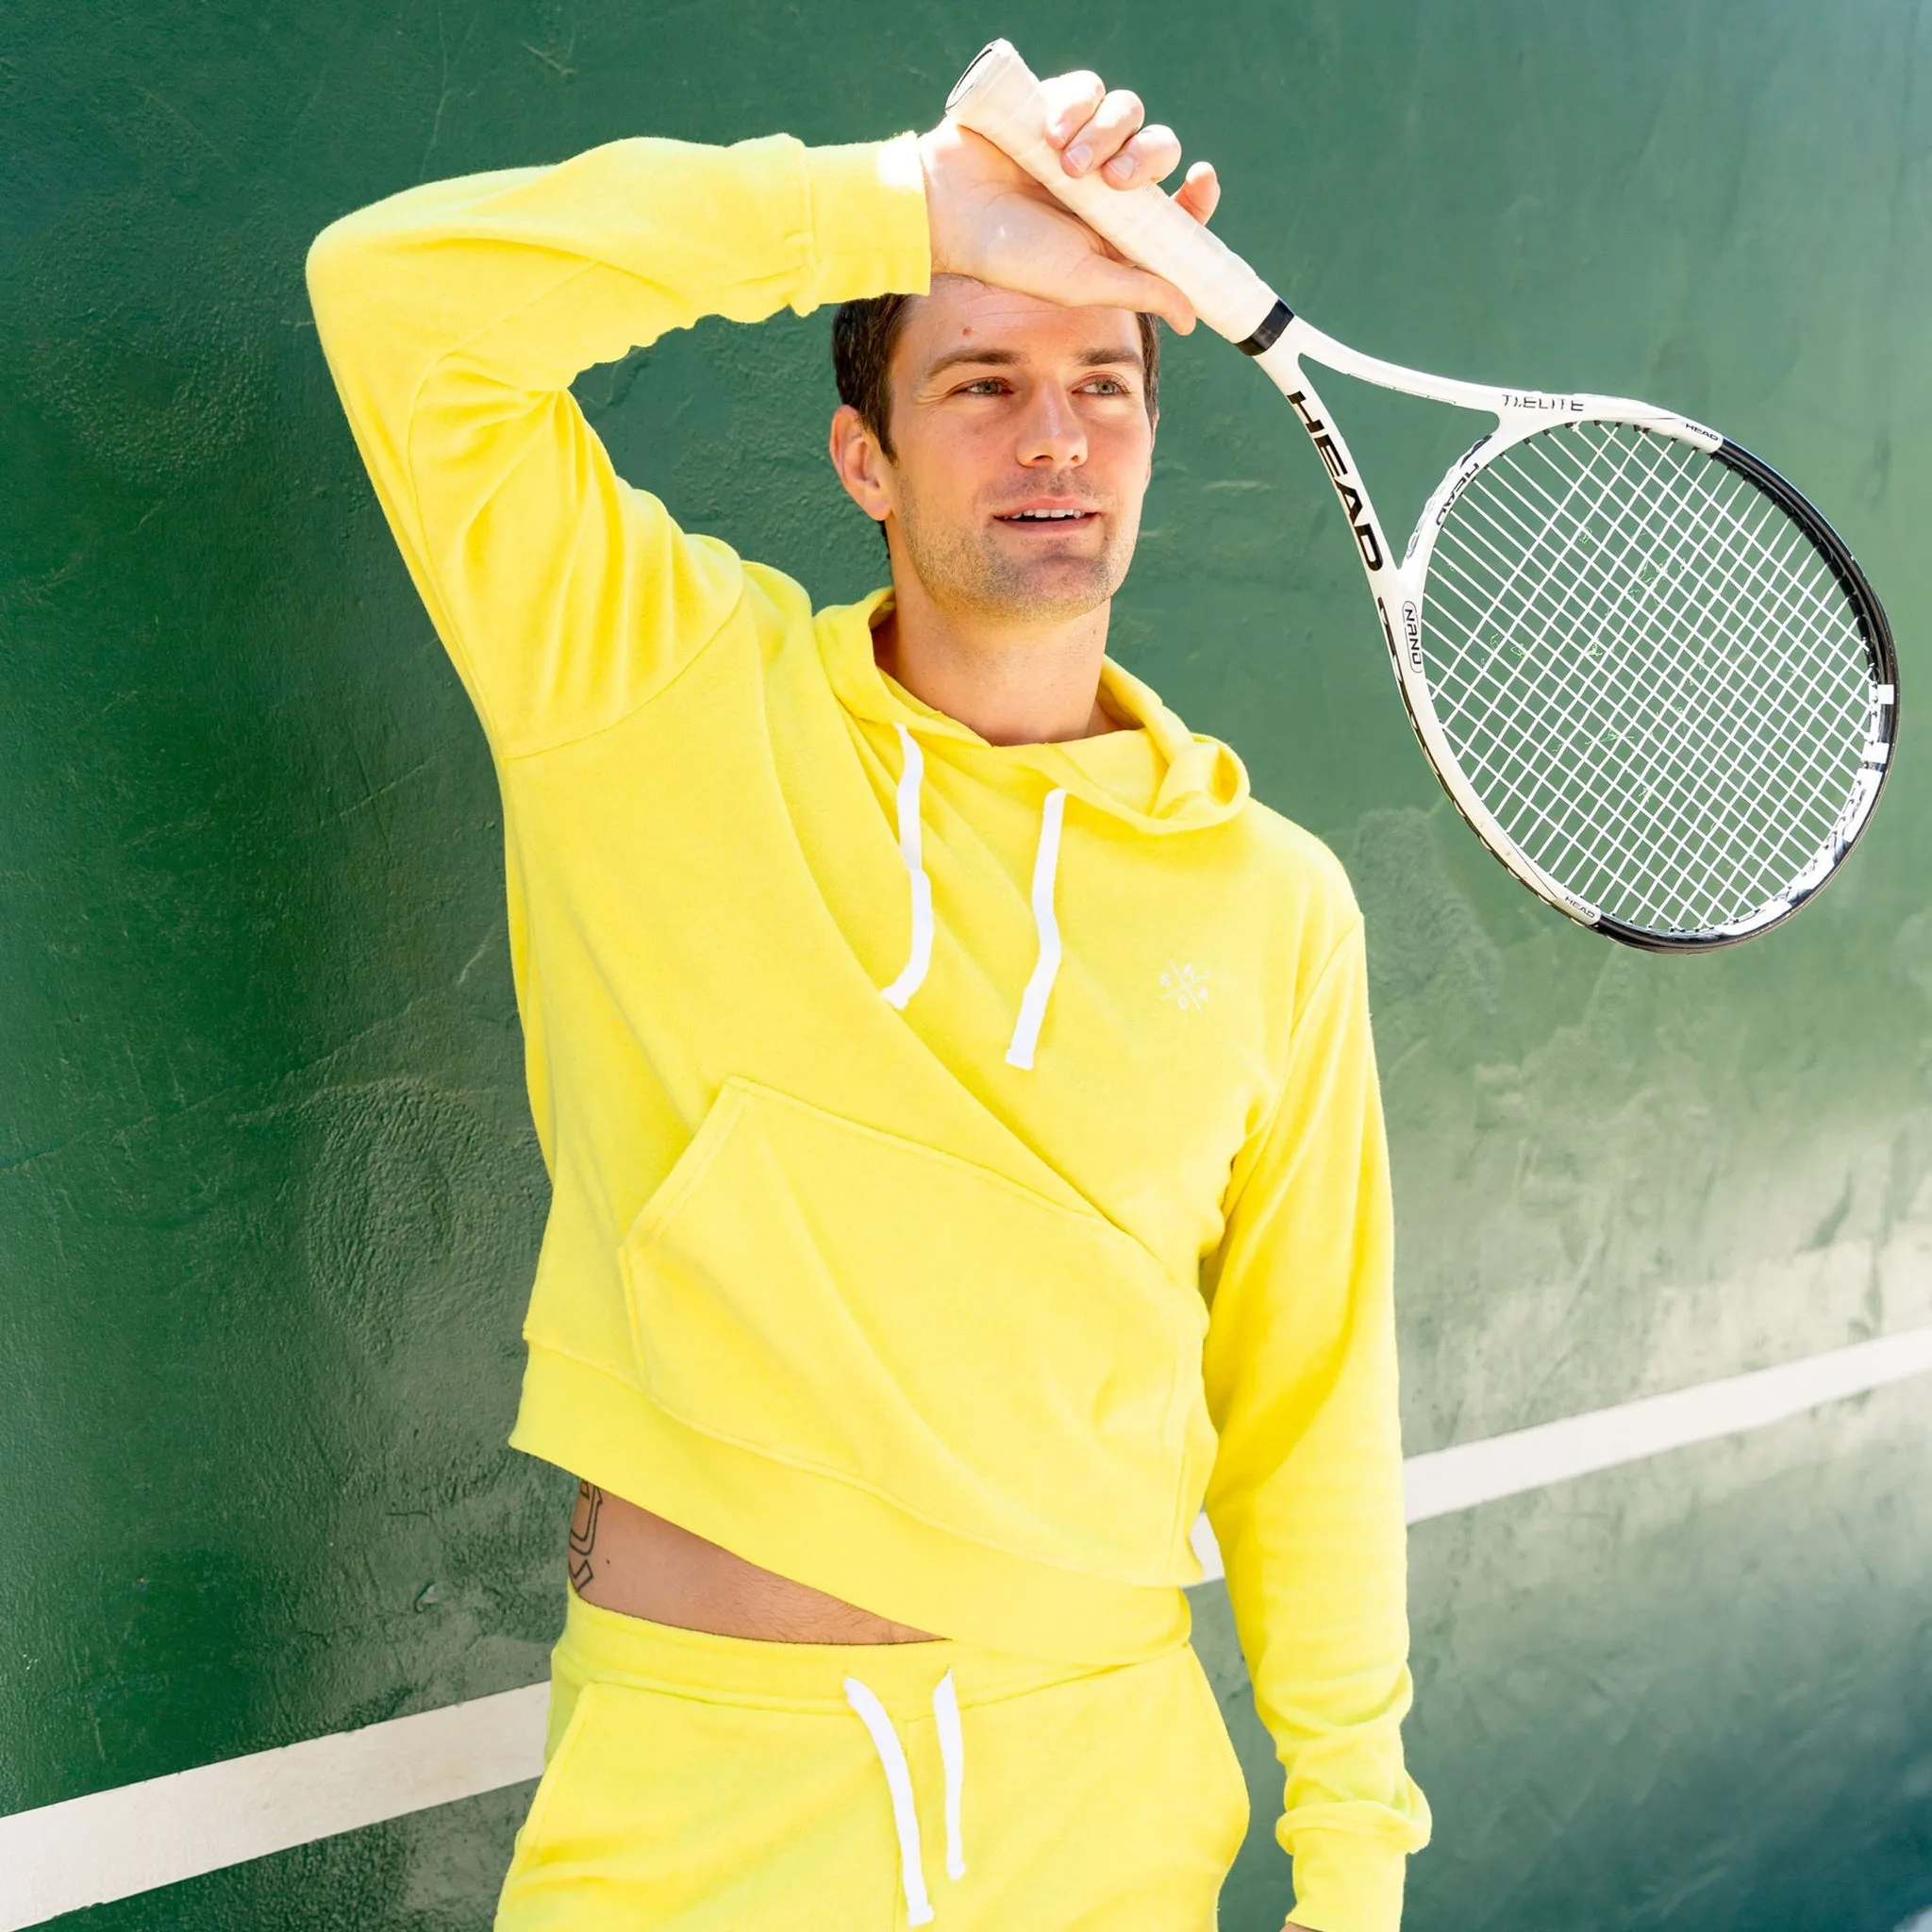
[(984, 386), (1106, 386)]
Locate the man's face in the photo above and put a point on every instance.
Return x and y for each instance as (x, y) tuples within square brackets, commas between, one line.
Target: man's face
[(1022, 449)]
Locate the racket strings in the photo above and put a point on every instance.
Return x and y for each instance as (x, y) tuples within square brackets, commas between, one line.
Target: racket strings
[(1651, 825), (1695, 722), (1702, 722), (1690, 722), (1584, 585), (1748, 770), (1647, 671), (1669, 866)]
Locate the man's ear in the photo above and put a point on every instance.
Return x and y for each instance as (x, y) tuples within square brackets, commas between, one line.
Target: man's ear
[(863, 467)]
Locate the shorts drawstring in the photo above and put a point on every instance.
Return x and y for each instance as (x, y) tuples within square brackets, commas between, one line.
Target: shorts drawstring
[(946, 1719), (885, 1740)]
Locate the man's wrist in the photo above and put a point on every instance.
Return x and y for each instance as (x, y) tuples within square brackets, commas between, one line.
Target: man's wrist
[(932, 149)]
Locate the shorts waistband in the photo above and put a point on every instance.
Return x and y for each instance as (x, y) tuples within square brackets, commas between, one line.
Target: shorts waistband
[(605, 1646)]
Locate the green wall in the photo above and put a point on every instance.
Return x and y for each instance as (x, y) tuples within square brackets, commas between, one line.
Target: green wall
[(269, 1199)]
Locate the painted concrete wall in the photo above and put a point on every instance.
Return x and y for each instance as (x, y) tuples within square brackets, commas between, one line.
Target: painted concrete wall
[(268, 1195)]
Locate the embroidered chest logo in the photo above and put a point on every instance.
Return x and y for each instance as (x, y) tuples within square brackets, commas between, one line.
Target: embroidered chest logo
[(1183, 988)]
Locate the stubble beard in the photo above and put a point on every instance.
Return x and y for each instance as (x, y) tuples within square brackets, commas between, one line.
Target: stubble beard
[(966, 567)]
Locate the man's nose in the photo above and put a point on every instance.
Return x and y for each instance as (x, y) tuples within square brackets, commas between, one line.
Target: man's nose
[(1053, 436)]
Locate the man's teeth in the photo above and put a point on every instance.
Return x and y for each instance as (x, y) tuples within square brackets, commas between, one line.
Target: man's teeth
[(1043, 516)]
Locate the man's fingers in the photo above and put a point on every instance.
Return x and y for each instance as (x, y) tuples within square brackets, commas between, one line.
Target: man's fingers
[(1114, 123), (1063, 260), (1150, 156), (1200, 193), (1071, 101)]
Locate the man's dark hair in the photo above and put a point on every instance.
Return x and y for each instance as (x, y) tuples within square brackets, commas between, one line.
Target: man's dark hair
[(865, 333)]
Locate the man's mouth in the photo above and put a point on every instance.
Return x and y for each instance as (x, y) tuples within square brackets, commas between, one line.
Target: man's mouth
[(1047, 516)]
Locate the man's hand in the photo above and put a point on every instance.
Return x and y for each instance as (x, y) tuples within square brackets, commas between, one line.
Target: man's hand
[(991, 220)]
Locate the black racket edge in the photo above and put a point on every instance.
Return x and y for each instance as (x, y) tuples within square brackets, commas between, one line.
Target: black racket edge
[(1880, 652)]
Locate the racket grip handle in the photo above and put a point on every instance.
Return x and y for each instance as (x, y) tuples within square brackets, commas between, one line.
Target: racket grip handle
[(1000, 98)]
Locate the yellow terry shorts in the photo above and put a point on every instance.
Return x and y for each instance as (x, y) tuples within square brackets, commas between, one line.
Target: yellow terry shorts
[(711, 1784)]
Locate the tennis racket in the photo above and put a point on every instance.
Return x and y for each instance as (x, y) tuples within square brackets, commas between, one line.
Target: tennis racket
[(1647, 672)]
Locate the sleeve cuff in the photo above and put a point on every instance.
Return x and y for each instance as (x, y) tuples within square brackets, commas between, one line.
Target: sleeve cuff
[(869, 231), (1346, 1883)]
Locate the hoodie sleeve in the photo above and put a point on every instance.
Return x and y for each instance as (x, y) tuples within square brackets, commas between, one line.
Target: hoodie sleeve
[(1305, 1498), (454, 316)]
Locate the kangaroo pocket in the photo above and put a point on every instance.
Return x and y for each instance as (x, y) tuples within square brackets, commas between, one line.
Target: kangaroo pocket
[(1009, 1368)]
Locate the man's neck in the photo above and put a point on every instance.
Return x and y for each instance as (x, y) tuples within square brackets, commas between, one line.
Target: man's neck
[(1014, 683)]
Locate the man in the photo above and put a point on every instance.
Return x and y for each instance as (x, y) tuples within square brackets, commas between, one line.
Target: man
[(958, 1093)]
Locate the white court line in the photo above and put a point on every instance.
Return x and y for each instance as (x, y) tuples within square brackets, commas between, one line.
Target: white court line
[(116, 1844), (1446, 1480)]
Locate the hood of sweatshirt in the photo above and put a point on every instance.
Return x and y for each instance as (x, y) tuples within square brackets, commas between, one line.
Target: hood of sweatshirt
[(1154, 774)]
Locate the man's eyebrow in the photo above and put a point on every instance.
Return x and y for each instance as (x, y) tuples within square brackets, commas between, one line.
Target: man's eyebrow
[(1109, 357)]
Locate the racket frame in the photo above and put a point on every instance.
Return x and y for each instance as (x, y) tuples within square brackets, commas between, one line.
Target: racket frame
[(1400, 591), (999, 98)]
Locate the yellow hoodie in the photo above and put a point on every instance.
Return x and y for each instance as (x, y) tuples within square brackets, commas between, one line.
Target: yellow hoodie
[(965, 1158)]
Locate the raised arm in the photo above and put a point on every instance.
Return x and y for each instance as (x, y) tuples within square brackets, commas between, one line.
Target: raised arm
[(455, 317), (1305, 1498)]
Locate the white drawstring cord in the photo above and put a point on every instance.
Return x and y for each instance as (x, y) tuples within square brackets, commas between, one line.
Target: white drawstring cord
[(1047, 860), (945, 1720), (911, 775), (885, 1740)]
